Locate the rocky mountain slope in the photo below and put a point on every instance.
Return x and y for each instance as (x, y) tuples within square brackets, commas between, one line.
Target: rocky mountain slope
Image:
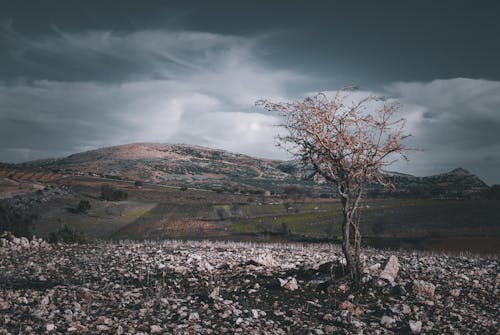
[(239, 288), (193, 166)]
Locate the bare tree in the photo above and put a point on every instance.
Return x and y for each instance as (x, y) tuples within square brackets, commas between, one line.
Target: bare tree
[(348, 141)]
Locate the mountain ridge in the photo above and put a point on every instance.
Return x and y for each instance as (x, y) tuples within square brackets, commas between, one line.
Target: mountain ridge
[(186, 165)]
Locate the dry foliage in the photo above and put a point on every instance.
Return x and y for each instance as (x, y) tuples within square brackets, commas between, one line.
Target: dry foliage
[(348, 141)]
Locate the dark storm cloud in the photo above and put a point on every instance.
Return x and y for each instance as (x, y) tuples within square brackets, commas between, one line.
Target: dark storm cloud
[(79, 75), (203, 93)]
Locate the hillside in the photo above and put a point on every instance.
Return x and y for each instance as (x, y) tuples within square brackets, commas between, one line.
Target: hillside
[(194, 166), (175, 164)]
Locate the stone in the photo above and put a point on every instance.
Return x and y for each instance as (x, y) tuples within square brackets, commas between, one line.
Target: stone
[(455, 292), (266, 260), (194, 316), (155, 329), (351, 308), (215, 293), (387, 321), (4, 305), (391, 269), (373, 269), (328, 317), (423, 289), (181, 269), (289, 284), (25, 243), (45, 300), (415, 326)]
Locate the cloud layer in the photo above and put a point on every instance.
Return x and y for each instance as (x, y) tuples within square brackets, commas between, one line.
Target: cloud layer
[(80, 91), (180, 87), (454, 122)]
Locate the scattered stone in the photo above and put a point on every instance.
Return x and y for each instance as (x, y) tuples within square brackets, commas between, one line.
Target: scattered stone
[(415, 326), (155, 329), (194, 316), (289, 284), (266, 260), (4, 305), (387, 321), (328, 317), (215, 293), (88, 289), (423, 289), (349, 306), (391, 269)]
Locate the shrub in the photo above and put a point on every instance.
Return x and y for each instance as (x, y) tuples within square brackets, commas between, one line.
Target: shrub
[(15, 219), (83, 206), (183, 188), (66, 234), (112, 194), (138, 183)]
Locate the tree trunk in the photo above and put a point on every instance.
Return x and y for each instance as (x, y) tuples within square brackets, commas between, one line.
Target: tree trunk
[(351, 244)]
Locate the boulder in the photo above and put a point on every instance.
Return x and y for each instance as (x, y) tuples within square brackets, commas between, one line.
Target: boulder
[(391, 269)]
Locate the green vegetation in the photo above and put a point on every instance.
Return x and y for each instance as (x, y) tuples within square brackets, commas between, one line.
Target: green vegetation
[(83, 206), (15, 219), (66, 234), (111, 194), (388, 218)]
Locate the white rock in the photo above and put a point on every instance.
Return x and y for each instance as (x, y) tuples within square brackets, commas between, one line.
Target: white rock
[(155, 329), (289, 284), (25, 243), (194, 316), (391, 269), (181, 269), (387, 321), (205, 266), (4, 305), (266, 260), (423, 289), (215, 293), (50, 327), (415, 326)]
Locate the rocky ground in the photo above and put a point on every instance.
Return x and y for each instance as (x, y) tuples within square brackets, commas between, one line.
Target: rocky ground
[(224, 288)]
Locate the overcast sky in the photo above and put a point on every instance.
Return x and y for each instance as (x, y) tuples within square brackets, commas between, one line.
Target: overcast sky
[(79, 75)]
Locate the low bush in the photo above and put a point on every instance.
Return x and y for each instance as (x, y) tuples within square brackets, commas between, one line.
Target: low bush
[(67, 234), (112, 194), (15, 219), (83, 206)]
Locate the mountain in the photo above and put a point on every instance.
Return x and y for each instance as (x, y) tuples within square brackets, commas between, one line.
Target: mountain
[(176, 165), (457, 183), (195, 166)]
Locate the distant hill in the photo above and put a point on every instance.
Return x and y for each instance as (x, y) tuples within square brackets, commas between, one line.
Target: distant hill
[(195, 166)]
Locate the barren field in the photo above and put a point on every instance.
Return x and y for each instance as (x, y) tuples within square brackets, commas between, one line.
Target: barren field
[(174, 287)]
